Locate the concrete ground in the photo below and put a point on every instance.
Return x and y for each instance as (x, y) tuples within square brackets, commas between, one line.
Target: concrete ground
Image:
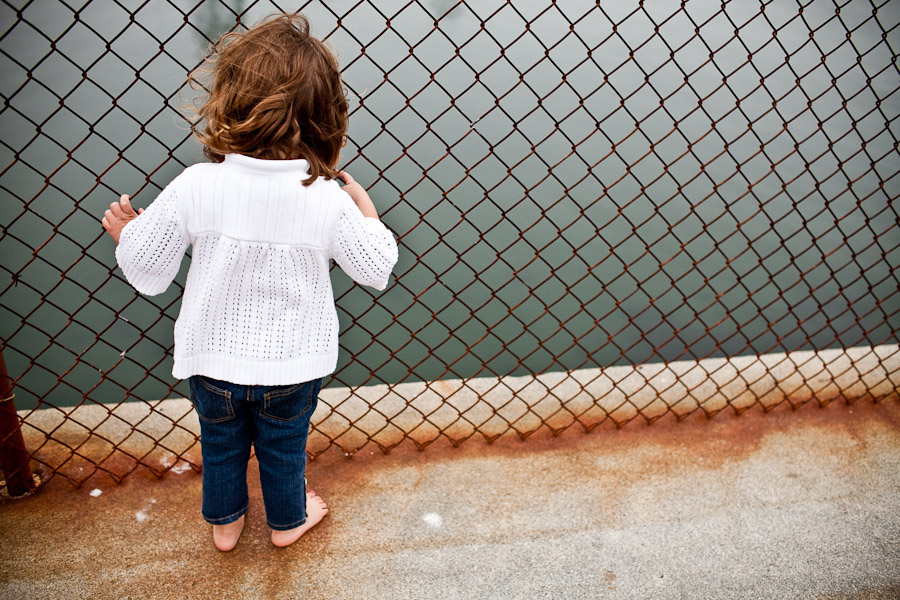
[(802, 504)]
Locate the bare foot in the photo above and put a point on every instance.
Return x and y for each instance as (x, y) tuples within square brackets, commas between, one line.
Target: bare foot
[(226, 537), (316, 509)]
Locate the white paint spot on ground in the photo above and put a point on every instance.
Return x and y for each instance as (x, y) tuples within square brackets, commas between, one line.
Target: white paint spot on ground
[(181, 467), (142, 515), (433, 519), (96, 492)]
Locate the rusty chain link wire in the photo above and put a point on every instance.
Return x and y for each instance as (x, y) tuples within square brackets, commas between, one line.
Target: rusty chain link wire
[(602, 208)]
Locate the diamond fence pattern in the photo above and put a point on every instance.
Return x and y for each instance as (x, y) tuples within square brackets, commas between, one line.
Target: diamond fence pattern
[(575, 187)]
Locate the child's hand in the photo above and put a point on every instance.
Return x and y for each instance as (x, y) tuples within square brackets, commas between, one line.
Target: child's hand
[(118, 215), (359, 196)]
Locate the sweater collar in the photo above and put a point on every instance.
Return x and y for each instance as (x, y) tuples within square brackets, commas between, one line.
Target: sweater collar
[(259, 165)]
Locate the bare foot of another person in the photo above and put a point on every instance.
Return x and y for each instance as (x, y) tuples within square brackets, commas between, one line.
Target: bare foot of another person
[(316, 509), (226, 537)]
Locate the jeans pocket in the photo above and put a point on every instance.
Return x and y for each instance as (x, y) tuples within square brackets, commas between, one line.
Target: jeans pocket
[(213, 404), (291, 402)]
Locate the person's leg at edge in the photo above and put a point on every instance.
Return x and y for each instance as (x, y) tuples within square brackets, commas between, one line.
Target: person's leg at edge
[(226, 434), (283, 426)]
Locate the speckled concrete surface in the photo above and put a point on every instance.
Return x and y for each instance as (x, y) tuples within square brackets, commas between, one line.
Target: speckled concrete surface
[(801, 504)]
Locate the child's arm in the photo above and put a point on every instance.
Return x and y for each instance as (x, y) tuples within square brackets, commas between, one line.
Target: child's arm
[(363, 247), (151, 243), (360, 196)]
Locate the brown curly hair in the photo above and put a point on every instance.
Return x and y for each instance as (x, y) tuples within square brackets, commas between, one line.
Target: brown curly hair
[(276, 93)]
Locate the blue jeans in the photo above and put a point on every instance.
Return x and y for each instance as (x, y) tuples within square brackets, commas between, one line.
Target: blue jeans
[(274, 419)]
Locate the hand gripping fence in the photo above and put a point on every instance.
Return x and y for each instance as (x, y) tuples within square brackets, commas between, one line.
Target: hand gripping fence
[(605, 211)]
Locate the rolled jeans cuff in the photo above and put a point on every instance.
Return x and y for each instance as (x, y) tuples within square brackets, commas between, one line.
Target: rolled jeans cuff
[(286, 527), (230, 518)]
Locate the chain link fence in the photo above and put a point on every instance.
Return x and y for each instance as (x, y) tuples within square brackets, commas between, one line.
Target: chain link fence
[(605, 211)]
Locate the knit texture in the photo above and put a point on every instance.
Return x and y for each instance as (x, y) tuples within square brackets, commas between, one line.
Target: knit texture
[(258, 308)]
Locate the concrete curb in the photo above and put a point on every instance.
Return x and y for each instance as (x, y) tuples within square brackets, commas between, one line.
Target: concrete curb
[(158, 434), (457, 408)]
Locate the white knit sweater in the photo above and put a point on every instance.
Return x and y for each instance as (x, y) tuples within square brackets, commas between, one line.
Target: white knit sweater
[(258, 308)]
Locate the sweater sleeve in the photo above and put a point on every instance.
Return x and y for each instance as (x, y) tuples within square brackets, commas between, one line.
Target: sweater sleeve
[(151, 246), (363, 247)]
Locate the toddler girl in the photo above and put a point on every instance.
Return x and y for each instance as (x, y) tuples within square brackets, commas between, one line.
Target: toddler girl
[(258, 329)]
